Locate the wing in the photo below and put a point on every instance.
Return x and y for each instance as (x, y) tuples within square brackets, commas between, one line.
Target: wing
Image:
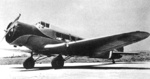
[(87, 47)]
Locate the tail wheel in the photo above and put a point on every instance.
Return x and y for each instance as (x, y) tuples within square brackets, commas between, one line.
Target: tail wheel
[(58, 62), (113, 61), (29, 63)]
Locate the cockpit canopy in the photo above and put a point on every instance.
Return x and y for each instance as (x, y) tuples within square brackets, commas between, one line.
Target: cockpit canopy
[(42, 24)]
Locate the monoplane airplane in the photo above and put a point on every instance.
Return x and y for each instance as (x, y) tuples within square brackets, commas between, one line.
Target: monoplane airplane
[(42, 39)]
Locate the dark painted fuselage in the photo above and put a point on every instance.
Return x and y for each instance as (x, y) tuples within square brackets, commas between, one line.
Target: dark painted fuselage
[(31, 36), (36, 39)]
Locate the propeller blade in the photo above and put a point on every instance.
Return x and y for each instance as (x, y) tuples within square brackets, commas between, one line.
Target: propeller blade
[(11, 26), (17, 18), (13, 23), (3, 38)]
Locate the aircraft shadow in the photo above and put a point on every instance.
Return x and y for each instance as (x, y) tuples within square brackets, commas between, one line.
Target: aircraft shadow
[(100, 66), (104, 68), (96, 67)]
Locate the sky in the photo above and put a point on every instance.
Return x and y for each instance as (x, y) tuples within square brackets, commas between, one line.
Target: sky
[(84, 18)]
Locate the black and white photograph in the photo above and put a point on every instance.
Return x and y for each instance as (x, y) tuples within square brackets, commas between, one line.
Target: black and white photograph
[(75, 39)]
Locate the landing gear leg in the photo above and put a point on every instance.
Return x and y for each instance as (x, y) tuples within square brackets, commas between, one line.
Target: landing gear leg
[(113, 61), (57, 62), (29, 62)]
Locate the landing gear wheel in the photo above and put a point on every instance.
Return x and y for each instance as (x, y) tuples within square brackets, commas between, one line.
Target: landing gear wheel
[(57, 62), (29, 63)]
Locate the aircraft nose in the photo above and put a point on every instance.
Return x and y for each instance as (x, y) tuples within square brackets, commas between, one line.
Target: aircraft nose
[(142, 34)]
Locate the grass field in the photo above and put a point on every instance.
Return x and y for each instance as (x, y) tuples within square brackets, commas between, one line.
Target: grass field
[(143, 56)]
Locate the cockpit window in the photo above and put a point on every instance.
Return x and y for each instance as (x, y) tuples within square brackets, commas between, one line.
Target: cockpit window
[(43, 25)]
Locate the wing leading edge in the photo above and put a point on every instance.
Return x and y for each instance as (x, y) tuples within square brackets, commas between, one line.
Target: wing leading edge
[(88, 47)]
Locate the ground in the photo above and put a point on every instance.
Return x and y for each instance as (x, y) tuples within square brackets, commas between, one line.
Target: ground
[(128, 67), (104, 70)]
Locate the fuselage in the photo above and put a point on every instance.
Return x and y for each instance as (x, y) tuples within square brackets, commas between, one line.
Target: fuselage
[(33, 37), (36, 39)]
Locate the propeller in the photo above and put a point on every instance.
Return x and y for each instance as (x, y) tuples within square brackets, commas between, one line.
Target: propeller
[(11, 25)]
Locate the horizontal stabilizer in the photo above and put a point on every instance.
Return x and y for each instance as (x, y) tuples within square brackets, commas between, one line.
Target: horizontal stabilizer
[(125, 53)]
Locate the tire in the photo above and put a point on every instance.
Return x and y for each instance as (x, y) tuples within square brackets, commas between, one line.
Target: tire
[(29, 63), (57, 62)]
